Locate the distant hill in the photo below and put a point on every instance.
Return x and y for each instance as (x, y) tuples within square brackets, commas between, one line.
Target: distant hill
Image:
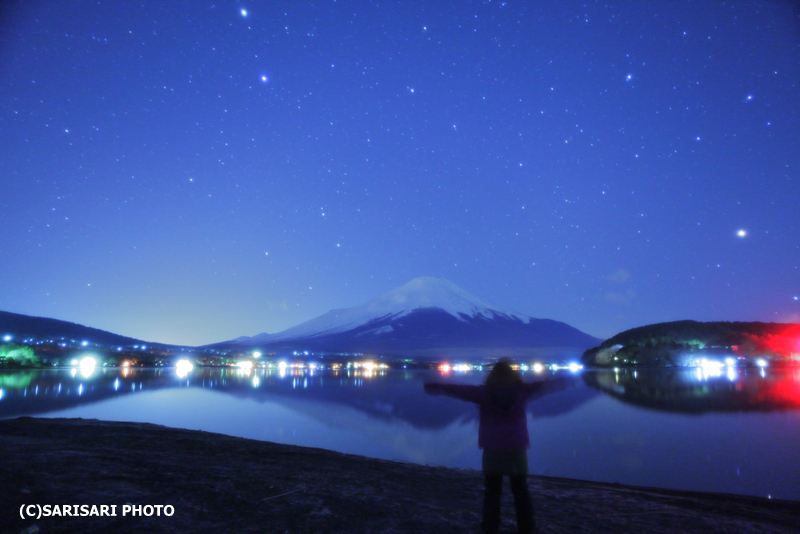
[(427, 318), (677, 343), (41, 328)]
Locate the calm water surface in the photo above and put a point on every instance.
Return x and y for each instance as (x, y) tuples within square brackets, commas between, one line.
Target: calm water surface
[(733, 431)]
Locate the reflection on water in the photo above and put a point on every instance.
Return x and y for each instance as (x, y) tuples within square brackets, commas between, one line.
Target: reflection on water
[(721, 429), (703, 389)]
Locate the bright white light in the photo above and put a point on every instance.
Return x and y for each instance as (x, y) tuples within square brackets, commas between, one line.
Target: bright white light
[(730, 362), (256, 354), (575, 367), (741, 233), (711, 364), (246, 365), (84, 343), (761, 362), (183, 368), (8, 337), (244, 12), (732, 375), (538, 367), (709, 369), (87, 366)]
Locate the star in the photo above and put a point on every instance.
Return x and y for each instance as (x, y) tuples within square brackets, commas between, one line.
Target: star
[(244, 12), (741, 233)]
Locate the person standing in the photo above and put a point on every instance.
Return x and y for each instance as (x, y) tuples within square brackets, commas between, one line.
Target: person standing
[(503, 436)]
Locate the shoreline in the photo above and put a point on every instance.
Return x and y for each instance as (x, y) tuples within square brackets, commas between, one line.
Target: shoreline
[(222, 483)]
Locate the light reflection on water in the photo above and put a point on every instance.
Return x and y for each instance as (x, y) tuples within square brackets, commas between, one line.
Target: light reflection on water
[(731, 430)]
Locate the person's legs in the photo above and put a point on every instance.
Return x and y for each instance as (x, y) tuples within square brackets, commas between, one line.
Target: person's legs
[(493, 488), (522, 502)]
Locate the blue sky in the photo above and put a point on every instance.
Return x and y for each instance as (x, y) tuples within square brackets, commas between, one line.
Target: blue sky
[(189, 172)]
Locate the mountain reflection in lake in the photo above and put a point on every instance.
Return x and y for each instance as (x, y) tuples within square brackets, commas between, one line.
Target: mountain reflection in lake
[(732, 431)]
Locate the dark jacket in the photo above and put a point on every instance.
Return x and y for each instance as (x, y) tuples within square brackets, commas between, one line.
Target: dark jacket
[(503, 423)]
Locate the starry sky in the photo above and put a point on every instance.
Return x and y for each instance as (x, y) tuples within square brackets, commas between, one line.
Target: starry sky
[(192, 171)]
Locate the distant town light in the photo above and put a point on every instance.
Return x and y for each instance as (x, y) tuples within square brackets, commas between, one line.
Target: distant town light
[(732, 375), (87, 366), (761, 362), (538, 367), (183, 368), (8, 337), (710, 364), (575, 367)]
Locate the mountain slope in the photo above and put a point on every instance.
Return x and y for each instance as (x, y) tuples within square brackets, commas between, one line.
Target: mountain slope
[(25, 326), (425, 317), (420, 293)]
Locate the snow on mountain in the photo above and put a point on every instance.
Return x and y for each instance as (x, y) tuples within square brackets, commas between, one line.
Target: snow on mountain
[(420, 293)]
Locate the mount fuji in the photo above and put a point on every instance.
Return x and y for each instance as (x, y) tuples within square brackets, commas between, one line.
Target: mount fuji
[(426, 318)]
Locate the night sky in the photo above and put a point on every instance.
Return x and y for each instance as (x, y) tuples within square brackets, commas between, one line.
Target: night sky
[(189, 172)]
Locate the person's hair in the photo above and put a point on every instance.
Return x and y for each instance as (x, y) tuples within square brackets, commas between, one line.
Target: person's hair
[(502, 375)]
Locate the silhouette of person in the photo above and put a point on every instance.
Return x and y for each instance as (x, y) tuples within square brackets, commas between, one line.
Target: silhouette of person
[(503, 436)]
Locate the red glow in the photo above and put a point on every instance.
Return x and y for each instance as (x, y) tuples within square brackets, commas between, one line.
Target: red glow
[(785, 341)]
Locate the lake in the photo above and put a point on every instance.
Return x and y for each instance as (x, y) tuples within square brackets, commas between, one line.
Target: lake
[(722, 430)]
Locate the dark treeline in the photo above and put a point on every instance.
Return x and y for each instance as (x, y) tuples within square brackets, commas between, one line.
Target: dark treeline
[(678, 343)]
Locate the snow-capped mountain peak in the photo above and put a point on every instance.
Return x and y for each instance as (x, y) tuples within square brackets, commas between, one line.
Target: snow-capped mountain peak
[(420, 293), (429, 292)]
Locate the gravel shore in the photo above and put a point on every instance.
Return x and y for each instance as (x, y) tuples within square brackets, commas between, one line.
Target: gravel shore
[(217, 483)]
